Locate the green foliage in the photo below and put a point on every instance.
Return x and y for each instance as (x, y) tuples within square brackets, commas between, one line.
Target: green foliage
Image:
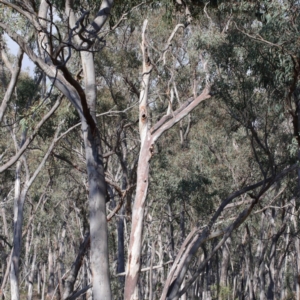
[(238, 137), (27, 91), (223, 292), (193, 190)]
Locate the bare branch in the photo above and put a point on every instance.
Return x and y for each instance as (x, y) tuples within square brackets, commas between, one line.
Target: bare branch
[(70, 281), (31, 137), (148, 268), (15, 72), (5, 59), (4, 239), (172, 290), (30, 16), (167, 121)]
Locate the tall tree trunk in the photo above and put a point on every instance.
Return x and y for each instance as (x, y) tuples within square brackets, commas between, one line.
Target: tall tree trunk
[(6, 275), (61, 257), (50, 272), (19, 200), (84, 100), (297, 248), (18, 220), (39, 278), (31, 274), (250, 265), (97, 185), (121, 248), (171, 230), (15, 71), (121, 219), (98, 223), (44, 282), (84, 278), (135, 245), (29, 239), (224, 265), (283, 274)]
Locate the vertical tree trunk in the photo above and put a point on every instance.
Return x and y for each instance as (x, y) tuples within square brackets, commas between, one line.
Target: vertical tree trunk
[(262, 295), (296, 202), (121, 248), (97, 186), (84, 101), (50, 272), (182, 220), (121, 219), (171, 229), (273, 272), (19, 200), (135, 245), (61, 257), (3, 213), (39, 279), (260, 261), (44, 281), (31, 274), (15, 71), (184, 296), (18, 220), (297, 247), (28, 247), (283, 274), (98, 223), (234, 287), (84, 278), (208, 281), (152, 259), (250, 264), (6, 275), (224, 265)]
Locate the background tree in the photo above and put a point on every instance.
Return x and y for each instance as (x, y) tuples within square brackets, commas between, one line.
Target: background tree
[(217, 215)]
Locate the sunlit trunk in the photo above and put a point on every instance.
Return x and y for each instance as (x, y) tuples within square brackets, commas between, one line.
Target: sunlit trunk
[(135, 244)]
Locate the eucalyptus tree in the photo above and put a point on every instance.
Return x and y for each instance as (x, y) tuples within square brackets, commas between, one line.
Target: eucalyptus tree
[(256, 85), (52, 57), (18, 103), (248, 75), (233, 146)]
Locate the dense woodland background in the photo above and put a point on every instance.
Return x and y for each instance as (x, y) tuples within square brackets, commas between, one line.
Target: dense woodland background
[(201, 99)]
